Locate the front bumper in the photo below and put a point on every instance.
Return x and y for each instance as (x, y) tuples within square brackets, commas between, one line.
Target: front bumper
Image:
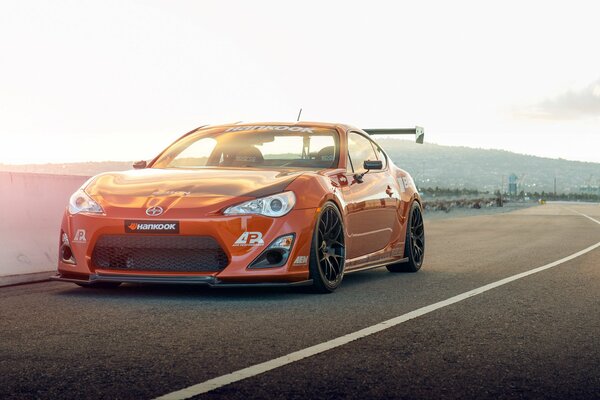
[(84, 231)]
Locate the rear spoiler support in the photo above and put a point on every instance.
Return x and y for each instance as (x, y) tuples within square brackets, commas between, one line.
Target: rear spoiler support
[(418, 131)]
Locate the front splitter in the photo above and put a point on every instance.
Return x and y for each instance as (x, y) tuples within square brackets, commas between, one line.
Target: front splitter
[(196, 280)]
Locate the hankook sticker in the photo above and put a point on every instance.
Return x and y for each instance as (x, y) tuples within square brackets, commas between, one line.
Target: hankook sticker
[(151, 227), (302, 129)]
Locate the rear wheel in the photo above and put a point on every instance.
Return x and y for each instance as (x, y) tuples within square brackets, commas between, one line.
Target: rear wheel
[(328, 252), (414, 246)]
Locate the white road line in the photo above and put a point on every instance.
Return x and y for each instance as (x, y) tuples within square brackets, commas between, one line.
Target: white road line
[(587, 216), (258, 369)]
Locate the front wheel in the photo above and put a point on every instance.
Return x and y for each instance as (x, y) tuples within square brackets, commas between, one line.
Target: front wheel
[(328, 251), (414, 246)]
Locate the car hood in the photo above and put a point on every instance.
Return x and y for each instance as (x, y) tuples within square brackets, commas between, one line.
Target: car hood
[(204, 188)]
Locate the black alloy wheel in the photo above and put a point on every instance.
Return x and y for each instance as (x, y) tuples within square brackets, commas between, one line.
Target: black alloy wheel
[(414, 246), (328, 251)]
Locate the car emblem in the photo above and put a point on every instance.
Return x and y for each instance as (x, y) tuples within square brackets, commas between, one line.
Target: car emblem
[(154, 211)]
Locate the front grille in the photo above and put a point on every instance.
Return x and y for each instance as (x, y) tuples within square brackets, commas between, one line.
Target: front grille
[(159, 253)]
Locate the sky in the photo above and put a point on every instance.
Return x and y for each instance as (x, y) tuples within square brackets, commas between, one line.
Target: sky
[(120, 80)]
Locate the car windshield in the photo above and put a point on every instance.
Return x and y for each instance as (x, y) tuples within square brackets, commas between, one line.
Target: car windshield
[(272, 146)]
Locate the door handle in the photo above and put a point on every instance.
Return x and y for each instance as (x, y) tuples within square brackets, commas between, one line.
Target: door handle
[(389, 191)]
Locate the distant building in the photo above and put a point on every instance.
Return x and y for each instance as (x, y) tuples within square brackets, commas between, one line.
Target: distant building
[(512, 184)]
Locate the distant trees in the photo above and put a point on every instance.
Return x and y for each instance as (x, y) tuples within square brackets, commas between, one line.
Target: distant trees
[(447, 192), (438, 192), (565, 196)]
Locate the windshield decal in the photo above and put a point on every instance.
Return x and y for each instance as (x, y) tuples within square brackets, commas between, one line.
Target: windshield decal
[(302, 129)]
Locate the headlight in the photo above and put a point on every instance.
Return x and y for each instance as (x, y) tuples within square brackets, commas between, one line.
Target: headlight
[(276, 205), (80, 201)]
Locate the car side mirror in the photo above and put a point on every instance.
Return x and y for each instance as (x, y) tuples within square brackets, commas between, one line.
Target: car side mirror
[(140, 164), (368, 165)]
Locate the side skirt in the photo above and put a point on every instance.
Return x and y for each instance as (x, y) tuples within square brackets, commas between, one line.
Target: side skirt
[(378, 265)]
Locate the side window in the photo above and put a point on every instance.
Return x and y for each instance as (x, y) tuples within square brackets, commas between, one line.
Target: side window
[(380, 155), (360, 150), (349, 164)]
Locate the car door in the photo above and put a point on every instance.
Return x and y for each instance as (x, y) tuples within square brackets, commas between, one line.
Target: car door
[(371, 202)]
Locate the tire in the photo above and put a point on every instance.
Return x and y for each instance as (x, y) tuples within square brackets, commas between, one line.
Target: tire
[(414, 246), (328, 251), (100, 285)]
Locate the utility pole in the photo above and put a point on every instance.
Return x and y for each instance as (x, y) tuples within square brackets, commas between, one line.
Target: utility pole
[(500, 201), (555, 188)]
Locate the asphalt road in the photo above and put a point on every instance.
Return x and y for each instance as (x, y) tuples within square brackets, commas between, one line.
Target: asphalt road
[(536, 337)]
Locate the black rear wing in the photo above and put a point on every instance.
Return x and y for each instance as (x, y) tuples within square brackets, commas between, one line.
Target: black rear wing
[(418, 131)]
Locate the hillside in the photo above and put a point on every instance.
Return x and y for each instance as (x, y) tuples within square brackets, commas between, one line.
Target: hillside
[(463, 167), (431, 165)]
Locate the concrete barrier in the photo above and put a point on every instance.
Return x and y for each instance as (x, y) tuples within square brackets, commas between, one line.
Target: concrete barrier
[(31, 208)]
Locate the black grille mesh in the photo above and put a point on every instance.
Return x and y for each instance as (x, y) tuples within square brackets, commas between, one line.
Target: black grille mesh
[(159, 253)]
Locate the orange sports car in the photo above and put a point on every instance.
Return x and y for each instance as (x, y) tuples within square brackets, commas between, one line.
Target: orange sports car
[(265, 204)]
